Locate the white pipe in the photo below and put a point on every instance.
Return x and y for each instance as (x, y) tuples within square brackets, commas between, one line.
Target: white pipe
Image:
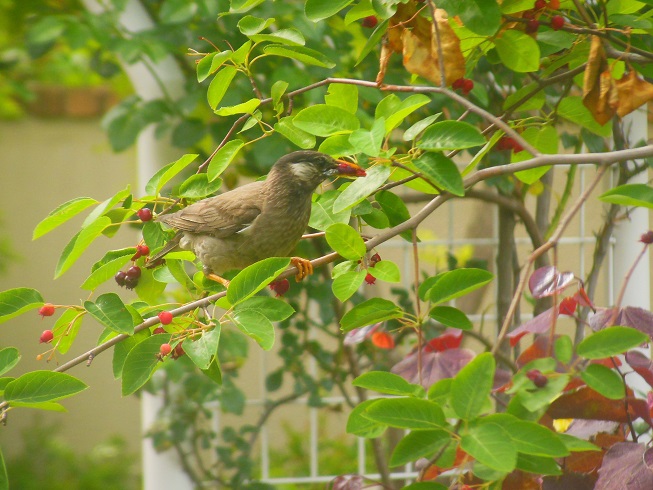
[(160, 470)]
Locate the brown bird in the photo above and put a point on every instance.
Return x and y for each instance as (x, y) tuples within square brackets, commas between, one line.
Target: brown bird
[(255, 221)]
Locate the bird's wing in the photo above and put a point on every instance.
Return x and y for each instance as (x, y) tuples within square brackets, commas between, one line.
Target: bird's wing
[(222, 215)]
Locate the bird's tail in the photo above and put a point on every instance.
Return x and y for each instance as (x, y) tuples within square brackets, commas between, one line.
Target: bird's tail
[(173, 244)]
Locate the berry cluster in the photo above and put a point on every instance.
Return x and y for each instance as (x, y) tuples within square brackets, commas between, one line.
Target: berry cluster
[(538, 379), (370, 21), (369, 278), (280, 287), (129, 278), (557, 22), (464, 85), (46, 310)]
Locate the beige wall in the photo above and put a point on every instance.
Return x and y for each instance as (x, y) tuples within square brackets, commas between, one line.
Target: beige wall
[(44, 163)]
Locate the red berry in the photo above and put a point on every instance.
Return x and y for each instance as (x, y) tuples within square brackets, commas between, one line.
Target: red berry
[(532, 26), (120, 278), (539, 4), (647, 237), (143, 250), (134, 272), (370, 21), (144, 214), (538, 379), (280, 287), (46, 310), (374, 259), (557, 22), (370, 279), (528, 14), (159, 330), (165, 317), (554, 4), (458, 84), (468, 85), (131, 282), (165, 349), (46, 336)]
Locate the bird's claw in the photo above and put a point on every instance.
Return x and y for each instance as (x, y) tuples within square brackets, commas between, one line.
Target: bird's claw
[(304, 268)]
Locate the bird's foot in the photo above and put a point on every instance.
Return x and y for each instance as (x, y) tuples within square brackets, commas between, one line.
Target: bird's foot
[(304, 268), (218, 279)]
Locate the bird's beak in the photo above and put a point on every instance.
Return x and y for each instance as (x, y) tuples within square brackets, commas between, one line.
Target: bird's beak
[(348, 168)]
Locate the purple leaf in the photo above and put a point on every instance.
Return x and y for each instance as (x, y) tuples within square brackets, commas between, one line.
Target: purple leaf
[(435, 365), (586, 429), (629, 316), (641, 364), (538, 324), (358, 335), (347, 482), (547, 281), (623, 467)]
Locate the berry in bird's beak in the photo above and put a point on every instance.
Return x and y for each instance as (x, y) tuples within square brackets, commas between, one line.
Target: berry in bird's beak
[(348, 168)]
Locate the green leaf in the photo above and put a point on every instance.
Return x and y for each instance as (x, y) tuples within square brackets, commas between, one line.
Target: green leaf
[(111, 312), (610, 341), (450, 135), (141, 362), (205, 349), (325, 120), (368, 312), (14, 302), (362, 187), (533, 103), (456, 283), (575, 444), (640, 195), (219, 85), (491, 445), (373, 41), (66, 328), (106, 206), (544, 139), (414, 131), (346, 241), (604, 380), (254, 278), (273, 309), (42, 386), (564, 349), (322, 215), (245, 108), (104, 273), (573, 109), (386, 270), (442, 172), (342, 95), (406, 413), (361, 426), (79, 243), (61, 214), (148, 288), (249, 24), (163, 176), (518, 51), (317, 10), (530, 437), (255, 325), (300, 53), (369, 142), (337, 145), (361, 10), (395, 210), (46, 30), (297, 136), (407, 106), (4, 478), (198, 186), (49, 406), (418, 444), (471, 387), (122, 349), (479, 16), (176, 11), (538, 465), (388, 383), (223, 158), (346, 284), (451, 317), (290, 37), (9, 357)]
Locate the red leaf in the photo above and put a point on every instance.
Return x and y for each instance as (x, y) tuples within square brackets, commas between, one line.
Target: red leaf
[(568, 306), (584, 299), (449, 339), (537, 350), (641, 364), (547, 281), (435, 365), (629, 316), (383, 340), (538, 324)]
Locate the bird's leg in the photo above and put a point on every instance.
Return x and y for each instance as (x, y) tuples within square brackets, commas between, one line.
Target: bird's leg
[(214, 277), (304, 267)]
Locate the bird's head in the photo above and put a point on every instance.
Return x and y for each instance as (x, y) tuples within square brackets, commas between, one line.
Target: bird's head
[(309, 168)]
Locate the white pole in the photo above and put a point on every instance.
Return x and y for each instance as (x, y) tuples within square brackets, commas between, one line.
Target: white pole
[(160, 470)]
